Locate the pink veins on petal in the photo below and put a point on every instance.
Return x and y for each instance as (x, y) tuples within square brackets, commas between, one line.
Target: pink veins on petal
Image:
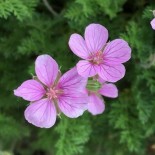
[(51, 94), (100, 58)]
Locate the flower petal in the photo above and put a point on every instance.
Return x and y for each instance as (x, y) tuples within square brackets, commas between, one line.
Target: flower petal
[(46, 69), (86, 69), (72, 80), (109, 90), (95, 104), (96, 37), (78, 46), (111, 73), (41, 113), (153, 23), (78, 96), (30, 90), (116, 52), (101, 80), (73, 104)]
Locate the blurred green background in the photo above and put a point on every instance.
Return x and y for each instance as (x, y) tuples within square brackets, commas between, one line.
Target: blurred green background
[(29, 28)]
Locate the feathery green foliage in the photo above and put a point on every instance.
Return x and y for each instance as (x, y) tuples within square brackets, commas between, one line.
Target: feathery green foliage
[(20, 9), (72, 139), (28, 29)]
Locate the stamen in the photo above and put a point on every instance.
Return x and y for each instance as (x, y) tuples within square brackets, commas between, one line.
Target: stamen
[(53, 93), (97, 58)]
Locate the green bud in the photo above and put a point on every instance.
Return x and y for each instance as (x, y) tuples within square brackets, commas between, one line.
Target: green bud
[(93, 85)]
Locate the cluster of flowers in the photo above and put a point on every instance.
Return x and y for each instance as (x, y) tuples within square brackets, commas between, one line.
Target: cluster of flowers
[(80, 88)]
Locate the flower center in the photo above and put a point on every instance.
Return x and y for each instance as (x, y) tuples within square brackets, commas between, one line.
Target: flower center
[(97, 58), (53, 93)]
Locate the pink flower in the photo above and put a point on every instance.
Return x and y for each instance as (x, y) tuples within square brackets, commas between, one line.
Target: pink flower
[(100, 58), (153, 24), (51, 94), (95, 101)]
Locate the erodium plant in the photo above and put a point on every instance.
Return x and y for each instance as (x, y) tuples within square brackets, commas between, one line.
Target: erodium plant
[(104, 59), (51, 93)]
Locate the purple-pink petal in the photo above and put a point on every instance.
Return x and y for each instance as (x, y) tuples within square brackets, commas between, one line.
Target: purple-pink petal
[(86, 69), (101, 80), (109, 90), (72, 108), (111, 73), (73, 103), (72, 95), (78, 46), (72, 80), (153, 23), (116, 52), (95, 104), (30, 90), (96, 37), (46, 69), (41, 113)]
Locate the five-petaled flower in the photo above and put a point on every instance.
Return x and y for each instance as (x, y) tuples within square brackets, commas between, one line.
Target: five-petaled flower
[(96, 88), (50, 93), (101, 58)]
